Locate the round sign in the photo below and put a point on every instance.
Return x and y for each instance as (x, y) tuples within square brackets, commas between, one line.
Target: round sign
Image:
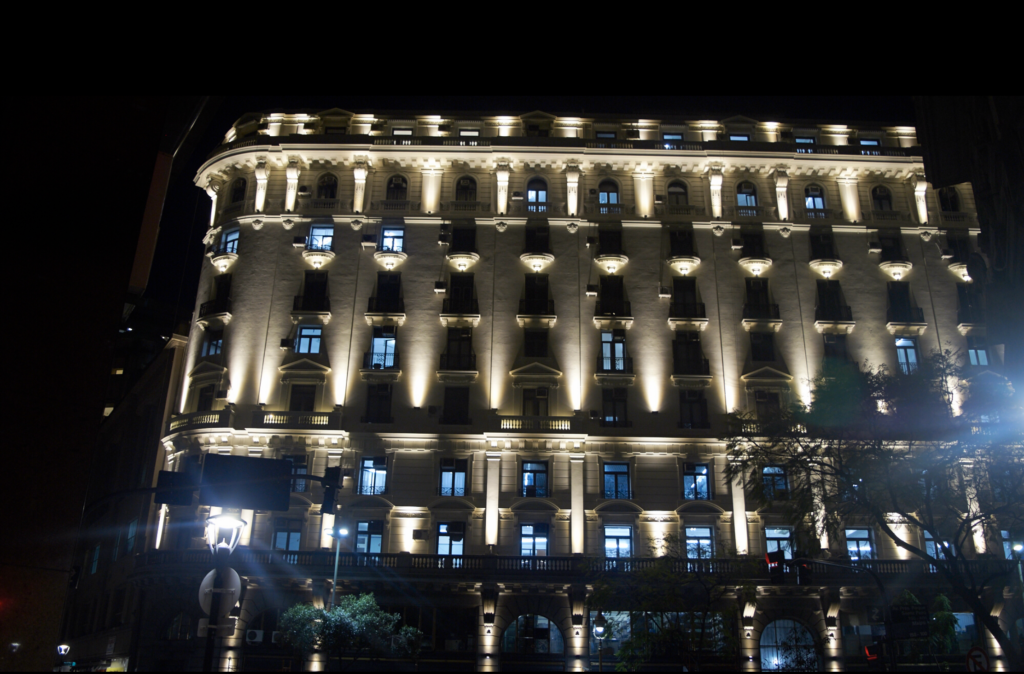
[(231, 590), (977, 660)]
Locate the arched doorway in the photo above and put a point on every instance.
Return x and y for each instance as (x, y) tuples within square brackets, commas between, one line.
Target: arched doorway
[(788, 646), (532, 635)]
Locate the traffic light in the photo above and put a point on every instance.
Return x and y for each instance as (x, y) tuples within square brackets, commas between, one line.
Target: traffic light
[(775, 569), (331, 483), (874, 653)]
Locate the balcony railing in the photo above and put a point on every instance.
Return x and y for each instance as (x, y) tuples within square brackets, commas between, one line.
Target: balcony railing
[(905, 315), (818, 214), (833, 313), (537, 307), (452, 491), (315, 303), (682, 211), (395, 205), (468, 207), (686, 310), (458, 306), (614, 308), (525, 423), (612, 365), (457, 361), (751, 212), (300, 420), (691, 366), (608, 209), (322, 205), (970, 315), (378, 305), (380, 360), (761, 311), (957, 216), (320, 245), (890, 216), (194, 420), (214, 307)]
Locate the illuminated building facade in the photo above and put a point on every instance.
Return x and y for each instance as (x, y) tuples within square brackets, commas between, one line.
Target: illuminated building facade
[(517, 336)]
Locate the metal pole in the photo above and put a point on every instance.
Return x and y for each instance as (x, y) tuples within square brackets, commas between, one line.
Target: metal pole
[(220, 558), (334, 584)]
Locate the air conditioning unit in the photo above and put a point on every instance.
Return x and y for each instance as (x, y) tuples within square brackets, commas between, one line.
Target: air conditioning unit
[(419, 534), (440, 287), (947, 254), (254, 636), (277, 638), (659, 198), (592, 290), (299, 242), (593, 193), (517, 196), (737, 244), (287, 343), (221, 394), (664, 292)]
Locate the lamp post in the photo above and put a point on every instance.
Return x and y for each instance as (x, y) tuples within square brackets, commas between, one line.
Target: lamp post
[(338, 533), (221, 548), (600, 632)]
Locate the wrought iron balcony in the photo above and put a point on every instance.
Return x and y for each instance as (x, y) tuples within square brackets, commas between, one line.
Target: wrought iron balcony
[(611, 365), (686, 310), (905, 315), (215, 307), (761, 311), (833, 313), (613, 308), (751, 212), (316, 303), (457, 362), (460, 306), (380, 360), (537, 307), (691, 366), (380, 305)]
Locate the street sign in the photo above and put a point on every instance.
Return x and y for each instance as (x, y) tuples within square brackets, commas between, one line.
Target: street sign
[(174, 488), (910, 621), (977, 660), (231, 589), (245, 482)]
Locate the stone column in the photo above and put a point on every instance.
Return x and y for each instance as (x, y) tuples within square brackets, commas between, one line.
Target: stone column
[(920, 188), (643, 186), (213, 188), (739, 516), (572, 183), (359, 174), (493, 492), (578, 515), (715, 177), (431, 190), (502, 172), (262, 176), (781, 193), (292, 174), (850, 199)]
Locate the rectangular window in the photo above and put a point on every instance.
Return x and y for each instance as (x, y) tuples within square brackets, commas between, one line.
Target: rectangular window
[(906, 354), (831, 306), (287, 535), (213, 344), (536, 298), (392, 239), (618, 541), (681, 244), (229, 241), (368, 537), (314, 293), (463, 239), (450, 538), (822, 245), (757, 291), (869, 141), (534, 540), (299, 469), (129, 540), (536, 342), (204, 398), (459, 353), (892, 245), (804, 140), (835, 348), (779, 539), (535, 478), (858, 544), (739, 136), (613, 351), (696, 482), (614, 407), (612, 300), (762, 346), (373, 475), (378, 404), (605, 134), (1013, 548), (535, 402), (401, 132), (699, 542), (693, 410), (383, 348), (976, 350), (321, 238), (303, 398), (453, 477), (469, 133), (456, 405), (610, 242), (538, 237), (671, 136), (308, 340), (936, 549), (616, 480), (460, 295), (776, 486)]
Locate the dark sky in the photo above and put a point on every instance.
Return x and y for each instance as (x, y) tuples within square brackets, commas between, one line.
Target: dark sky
[(179, 258)]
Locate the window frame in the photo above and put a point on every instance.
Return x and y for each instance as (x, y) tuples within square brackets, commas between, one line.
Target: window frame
[(370, 470), (300, 466), (453, 467), (617, 476), (608, 193), (785, 544), (771, 485), (815, 202), (292, 529), (229, 241), (908, 356), (369, 532), (539, 490), (213, 343), (864, 545), (309, 343), (323, 185), (739, 137), (618, 538), (744, 198), (317, 234), (451, 544), (616, 399), (538, 530), (693, 474), (392, 238), (707, 552)]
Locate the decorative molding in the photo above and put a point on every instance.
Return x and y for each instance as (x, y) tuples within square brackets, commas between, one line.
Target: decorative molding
[(382, 376), (685, 324), (761, 324), (683, 264), (826, 267), (614, 380), (785, 231), (458, 377), (378, 319), (460, 320), (718, 230), (691, 382), (834, 327)]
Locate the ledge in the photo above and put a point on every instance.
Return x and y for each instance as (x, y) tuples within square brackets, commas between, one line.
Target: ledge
[(537, 261), (611, 263), (389, 258), (897, 269), (691, 381), (677, 324), (971, 329), (463, 260), (834, 327), (613, 322), (317, 258), (826, 267), (382, 376), (684, 264), (222, 261), (755, 265), (761, 324), (221, 317), (378, 319), (906, 329), (460, 320), (304, 316), (614, 379), (536, 320), (457, 376), (958, 268)]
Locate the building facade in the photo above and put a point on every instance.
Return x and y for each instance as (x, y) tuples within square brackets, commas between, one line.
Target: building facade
[(518, 337)]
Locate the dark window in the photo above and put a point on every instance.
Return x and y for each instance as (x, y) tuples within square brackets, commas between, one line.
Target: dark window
[(696, 482), (321, 238), (303, 398), (238, 190), (398, 188), (767, 405), (835, 348), (129, 539), (610, 241), (373, 475), (746, 194), (972, 303), (831, 306), (907, 354), (537, 295), (814, 197), (460, 294), (389, 291), (533, 633), (308, 340), (287, 535), (204, 400), (535, 402), (949, 200), (612, 297), (538, 239), (299, 469), (681, 242), (762, 347), (753, 242), (535, 478), (465, 189), (892, 245), (314, 292), (378, 404), (959, 245), (453, 477), (977, 350), (700, 542), (222, 289), (757, 293), (881, 198), (94, 564), (677, 195), (536, 198), (327, 187), (463, 239), (536, 342), (450, 538), (459, 355), (614, 407), (822, 245), (613, 351), (693, 410), (368, 537), (180, 628), (776, 486), (901, 309), (616, 480), (456, 405), (534, 540), (342, 130), (392, 239), (213, 344), (618, 541)]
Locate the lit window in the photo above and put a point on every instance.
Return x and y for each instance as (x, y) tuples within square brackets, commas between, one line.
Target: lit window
[(776, 486), (618, 541), (401, 132), (1012, 548), (536, 196), (608, 193), (469, 133), (327, 187), (373, 475), (906, 354), (368, 537), (699, 542), (321, 238), (858, 544), (534, 540), (308, 340), (613, 351), (696, 486), (382, 349), (298, 469), (672, 136), (229, 241), (453, 477), (393, 239), (616, 480), (814, 197), (213, 344), (937, 549), (803, 140), (535, 478), (450, 537), (287, 535), (739, 136), (869, 141), (746, 194), (976, 350), (779, 539)]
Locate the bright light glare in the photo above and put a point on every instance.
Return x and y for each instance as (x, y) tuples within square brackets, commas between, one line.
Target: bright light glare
[(227, 521)]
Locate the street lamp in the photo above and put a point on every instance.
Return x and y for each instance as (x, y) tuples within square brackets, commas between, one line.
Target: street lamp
[(600, 632), (338, 533), (215, 524), (63, 649), (221, 548)]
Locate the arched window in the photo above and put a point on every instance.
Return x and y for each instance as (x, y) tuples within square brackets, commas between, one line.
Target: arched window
[(814, 197), (238, 190), (746, 194), (537, 196), (398, 188), (677, 195), (327, 187), (608, 192), (180, 628), (881, 197), (949, 200), (465, 189), (532, 634), (788, 646)]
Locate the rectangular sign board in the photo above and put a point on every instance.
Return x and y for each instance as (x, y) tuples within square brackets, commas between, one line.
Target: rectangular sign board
[(174, 488), (910, 622), (244, 482)]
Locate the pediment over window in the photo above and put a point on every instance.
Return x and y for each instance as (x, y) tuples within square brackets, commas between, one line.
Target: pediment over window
[(534, 375), (618, 507), (371, 502), (209, 373), (452, 503), (334, 112), (767, 379), (304, 369), (695, 507), (206, 368), (739, 119), (538, 114), (535, 505)]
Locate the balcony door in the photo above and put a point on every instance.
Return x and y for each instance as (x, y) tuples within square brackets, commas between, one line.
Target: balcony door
[(461, 294), (613, 350), (535, 402)]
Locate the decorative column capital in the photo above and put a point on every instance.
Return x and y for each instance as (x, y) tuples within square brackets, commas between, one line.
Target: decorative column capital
[(572, 171), (262, 170), (919, 182), (781, 176), (214, 183), (360, 169), (715, 176), (502, 170)]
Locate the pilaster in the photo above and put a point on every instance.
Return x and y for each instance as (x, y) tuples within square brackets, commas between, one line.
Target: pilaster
[(431, 196), (920, 189), (214, 184), (262, 176), (715, 178), (493, 493), (643, 185), (781, 193), (292, 175), (359, 170), (572, 184), (502, 173), (578, 516), (850, 199)]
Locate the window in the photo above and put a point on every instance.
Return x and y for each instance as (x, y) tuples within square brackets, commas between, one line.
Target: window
[(460, 295), (677, 195), (321, 238), (463, 239), (684, 293), (814, 197), (788, 646), (93, 563), (1012, 548), (610, 241), (614, 404), (538, 238), (960, 245), (180, 628), (382, 348), (535, 478), (753, 244), (532, 634), (401, 132), (469, 133), (835, 348), (535, 402), (613, 351), (869, 141), (465, 189), (779, 539), (881, 198), (342, 130), (949, 200), (450, 537), (858, 544), (129, 539), (616, 480), (299, 469), (229, 241), (906, 354), (453, 477), (378, 404), (536, 342), (327, 187), (699, 542), (368, 537), (762, 346), (373, 475), (693, 410), (680, 243), (456, 405), (605, 134), (776, 486), (308, 340), (739, 136), (830, 302), (303, 398), (672, 136), (537, 196), (393, 239), (618, 541), (287, 535), (314, 292), (397, 189), (213, 343), (607, 194), (696, 482), (937, 549), (804, 140), (746, 194), (533, 540), (536, 299), (869, 146), (612, 301), (459, 354), (822, 245), (204, 399), (238, 190), (976, 350)]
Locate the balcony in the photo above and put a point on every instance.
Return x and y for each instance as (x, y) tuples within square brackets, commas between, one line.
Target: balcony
[(906, 321), (535, 424), (698, 367), (817, 214), (466, 207), (318, 254), (381, 360), (889, 216), (236, 209), (970, 320), (834, 319), (197, 420), (958, 217), (314, 307), (608, 210), (324, 421), (610, 365), (758, 213), (687, 316), (395, 206), (457, 362), (764, 315), (536, 208), (385, 311), (825, 265), (324, 206), (679, 212), (223, 256), (214, 311), (613, 315), (536, 313)]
